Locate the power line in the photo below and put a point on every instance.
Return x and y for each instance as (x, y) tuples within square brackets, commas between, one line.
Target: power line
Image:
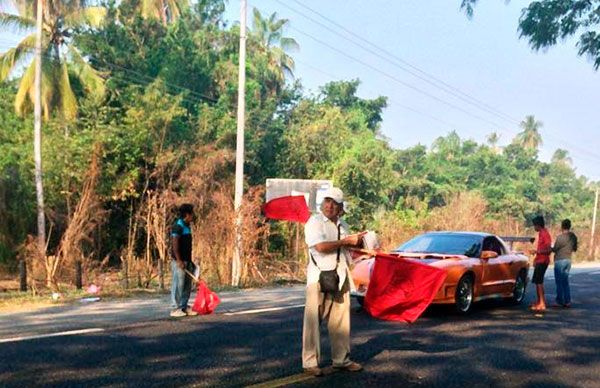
[(182, 88), (333, 77), (431, 117), (416, 72), (131, 71), (393, 78), (488, 108), (145, 81)]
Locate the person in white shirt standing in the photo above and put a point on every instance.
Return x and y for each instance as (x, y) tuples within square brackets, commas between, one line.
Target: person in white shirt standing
[(328, 239)]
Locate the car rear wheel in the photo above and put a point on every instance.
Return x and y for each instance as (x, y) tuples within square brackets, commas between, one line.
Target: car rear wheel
[(464, 294), (519, 289)]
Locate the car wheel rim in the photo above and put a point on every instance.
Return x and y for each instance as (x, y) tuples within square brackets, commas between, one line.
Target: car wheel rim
[(465, 295), (519, 289)]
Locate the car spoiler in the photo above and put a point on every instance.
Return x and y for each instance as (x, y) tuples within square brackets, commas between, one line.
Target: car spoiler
[(513, 239)]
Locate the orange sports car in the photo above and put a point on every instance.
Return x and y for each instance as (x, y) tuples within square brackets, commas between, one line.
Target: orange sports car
[(479, 266)]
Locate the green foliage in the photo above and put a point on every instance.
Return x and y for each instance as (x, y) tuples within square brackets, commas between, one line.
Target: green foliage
[(17, 191), (169, 90), (343, 95), (61, 61)]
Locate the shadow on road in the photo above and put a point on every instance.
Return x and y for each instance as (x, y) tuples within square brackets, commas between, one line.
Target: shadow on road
[(497, 345)]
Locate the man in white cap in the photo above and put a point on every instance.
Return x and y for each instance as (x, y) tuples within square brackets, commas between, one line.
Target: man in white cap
[(327, 239)]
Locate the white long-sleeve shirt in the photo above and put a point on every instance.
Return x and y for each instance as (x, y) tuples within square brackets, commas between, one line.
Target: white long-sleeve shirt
[(320, 229)]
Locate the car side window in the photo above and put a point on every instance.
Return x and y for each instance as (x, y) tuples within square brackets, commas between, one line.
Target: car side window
[(493, 244)]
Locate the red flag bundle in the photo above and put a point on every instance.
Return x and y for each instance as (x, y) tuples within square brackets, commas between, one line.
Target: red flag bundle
[(206, 301), (290, 208), (400, 289)]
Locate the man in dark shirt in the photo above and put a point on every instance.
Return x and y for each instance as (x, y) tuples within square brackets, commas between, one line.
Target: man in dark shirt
[(181, 254), (564, 246)]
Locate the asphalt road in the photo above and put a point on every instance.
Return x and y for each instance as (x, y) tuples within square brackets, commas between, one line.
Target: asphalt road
[(498, 345)]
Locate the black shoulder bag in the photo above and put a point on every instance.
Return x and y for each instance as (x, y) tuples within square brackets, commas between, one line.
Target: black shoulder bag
[(329, 280)]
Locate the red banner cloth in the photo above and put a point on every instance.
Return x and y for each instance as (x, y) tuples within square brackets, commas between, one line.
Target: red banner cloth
[(206, 301), (400, 289), (290, 208)]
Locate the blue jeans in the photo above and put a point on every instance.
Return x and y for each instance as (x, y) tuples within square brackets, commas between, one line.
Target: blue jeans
[(562, 267), (181, 285)]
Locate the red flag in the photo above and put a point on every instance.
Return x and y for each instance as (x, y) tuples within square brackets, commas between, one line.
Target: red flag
[(400, 289), (206, 300), (290, 208)]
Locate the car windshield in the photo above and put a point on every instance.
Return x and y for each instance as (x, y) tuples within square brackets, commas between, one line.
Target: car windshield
[(453, 244)]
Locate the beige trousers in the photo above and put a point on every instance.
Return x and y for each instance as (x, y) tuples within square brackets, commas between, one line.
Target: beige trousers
[(334, 308)]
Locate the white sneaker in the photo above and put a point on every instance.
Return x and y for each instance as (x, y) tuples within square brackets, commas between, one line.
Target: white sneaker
[(178, 313), (190, 313)]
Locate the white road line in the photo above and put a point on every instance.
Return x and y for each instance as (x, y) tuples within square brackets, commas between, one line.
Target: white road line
[(59, 334), (258, 311)]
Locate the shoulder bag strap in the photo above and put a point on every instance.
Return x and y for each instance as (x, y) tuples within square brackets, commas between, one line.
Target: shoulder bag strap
[(339, 249), (338, 252)]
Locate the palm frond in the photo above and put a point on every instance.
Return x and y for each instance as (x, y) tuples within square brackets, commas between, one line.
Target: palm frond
[(25, 94), (289, 44), (16, 23), (22, 104), (89, 16), (90, 78), (177, 8), (277, 25), (50, 76), (25, 8), (149, 9), (68, 101), (11, 58)]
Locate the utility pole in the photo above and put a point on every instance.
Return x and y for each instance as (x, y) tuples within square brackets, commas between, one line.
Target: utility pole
[(593, 227), (239, 151), (37, 132)]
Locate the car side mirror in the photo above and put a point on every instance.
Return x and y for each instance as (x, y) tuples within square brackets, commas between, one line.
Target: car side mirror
[(486, 255)]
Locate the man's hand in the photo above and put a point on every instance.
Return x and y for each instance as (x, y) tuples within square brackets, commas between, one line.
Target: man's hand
[(181, 264), (331, 246), (353, 239)]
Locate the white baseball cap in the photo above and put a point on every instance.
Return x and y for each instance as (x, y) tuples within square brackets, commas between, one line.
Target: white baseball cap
[(334, 193)]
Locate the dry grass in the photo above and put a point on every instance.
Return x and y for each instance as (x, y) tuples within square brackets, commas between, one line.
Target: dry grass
[(468, 212), (85, 219), (208, 184)]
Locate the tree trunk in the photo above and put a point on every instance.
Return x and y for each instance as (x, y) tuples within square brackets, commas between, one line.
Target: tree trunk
[(22, 275), (161, 274), (163, 12), (78, 275), (37, 138)]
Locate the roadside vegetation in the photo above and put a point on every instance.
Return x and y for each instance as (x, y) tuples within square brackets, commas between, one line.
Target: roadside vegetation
[(140, 116)]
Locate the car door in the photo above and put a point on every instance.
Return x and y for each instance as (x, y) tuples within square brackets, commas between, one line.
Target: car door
[(498, 277)]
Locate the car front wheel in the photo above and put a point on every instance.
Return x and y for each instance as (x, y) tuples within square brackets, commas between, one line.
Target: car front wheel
[(464, 294), (519, 289)]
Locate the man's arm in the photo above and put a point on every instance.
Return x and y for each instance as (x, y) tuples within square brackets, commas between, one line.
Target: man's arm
[(175, 242), (559, 243), (332, 246)]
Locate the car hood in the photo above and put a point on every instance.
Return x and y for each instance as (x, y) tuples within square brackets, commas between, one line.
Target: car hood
[(427, 257), (433, 259)]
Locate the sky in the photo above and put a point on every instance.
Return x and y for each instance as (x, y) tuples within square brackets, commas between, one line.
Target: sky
[(481, 60), (498, 78)]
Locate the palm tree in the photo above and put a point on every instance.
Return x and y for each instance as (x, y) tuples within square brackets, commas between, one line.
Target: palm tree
[(61, 59), (562, 157), (269, 33), (165, 10), (530, 137), (492, 140)]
